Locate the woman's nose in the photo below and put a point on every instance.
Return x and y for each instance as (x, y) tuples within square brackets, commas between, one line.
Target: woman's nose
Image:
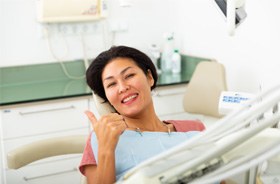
[(123, 87)]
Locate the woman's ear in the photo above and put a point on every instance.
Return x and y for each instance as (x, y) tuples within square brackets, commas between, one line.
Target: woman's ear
[(150, 78)]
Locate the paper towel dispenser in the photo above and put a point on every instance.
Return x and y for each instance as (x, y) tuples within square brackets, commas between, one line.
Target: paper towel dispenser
[(53, 11)]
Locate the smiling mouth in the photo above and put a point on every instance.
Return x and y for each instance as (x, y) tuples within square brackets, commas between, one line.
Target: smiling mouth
[(129, 98)]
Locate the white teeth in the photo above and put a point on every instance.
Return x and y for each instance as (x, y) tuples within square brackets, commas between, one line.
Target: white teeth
[(129, 98)]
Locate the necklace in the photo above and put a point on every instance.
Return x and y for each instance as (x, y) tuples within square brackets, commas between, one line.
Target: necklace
[(137, 129)]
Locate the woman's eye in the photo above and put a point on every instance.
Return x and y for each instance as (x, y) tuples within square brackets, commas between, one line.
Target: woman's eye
[(111, 84), (129, 75)]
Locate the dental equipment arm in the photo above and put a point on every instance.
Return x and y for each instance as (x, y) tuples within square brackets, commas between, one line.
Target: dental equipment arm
[(225, 149)]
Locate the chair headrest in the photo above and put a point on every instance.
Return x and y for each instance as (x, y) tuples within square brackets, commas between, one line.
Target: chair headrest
[(101, 106)]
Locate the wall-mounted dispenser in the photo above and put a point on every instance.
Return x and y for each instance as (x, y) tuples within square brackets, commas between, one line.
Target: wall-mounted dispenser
[(53, 11)]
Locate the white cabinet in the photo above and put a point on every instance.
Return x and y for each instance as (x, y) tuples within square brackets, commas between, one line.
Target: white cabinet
[(35, 121), (168, 100), (1, 155), (42, 119)]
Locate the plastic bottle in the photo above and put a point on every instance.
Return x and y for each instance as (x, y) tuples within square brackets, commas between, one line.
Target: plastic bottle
[(176, 61), (155, 55), (165, 61)]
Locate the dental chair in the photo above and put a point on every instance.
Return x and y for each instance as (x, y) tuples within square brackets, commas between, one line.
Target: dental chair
[(234, 144), (201, 100), (202, 93), (42, 149)]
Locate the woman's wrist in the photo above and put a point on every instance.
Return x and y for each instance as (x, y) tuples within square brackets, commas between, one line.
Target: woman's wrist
[(105, 152)]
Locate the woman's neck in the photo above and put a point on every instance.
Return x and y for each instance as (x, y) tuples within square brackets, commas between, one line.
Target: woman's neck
[(145, 124), (147, 120)]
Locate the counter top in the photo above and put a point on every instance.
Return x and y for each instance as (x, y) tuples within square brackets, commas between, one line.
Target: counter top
[(32, 83)]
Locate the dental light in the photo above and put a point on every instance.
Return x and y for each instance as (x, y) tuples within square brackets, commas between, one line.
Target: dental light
[(234, 12)]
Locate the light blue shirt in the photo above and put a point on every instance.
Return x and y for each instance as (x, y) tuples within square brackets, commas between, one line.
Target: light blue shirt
[(133, 148)]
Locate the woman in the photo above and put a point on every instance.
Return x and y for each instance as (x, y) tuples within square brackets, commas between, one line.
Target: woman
[(124, 77)]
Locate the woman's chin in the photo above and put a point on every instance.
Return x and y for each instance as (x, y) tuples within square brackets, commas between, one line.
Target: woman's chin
[(130, 113)]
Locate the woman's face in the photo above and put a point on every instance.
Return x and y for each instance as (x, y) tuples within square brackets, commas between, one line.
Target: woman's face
[(126, 86)]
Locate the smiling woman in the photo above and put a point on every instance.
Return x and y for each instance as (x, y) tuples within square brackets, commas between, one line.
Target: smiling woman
[(127, 87), (125, 77), (95, 70)]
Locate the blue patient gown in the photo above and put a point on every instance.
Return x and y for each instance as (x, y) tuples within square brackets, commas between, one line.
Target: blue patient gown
[(134, 147)]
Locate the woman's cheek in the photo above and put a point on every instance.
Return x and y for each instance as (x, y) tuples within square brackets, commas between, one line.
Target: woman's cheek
[(111, 96)]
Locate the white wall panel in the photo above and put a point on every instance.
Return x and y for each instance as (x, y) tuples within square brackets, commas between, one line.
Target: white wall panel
[(251, 56)]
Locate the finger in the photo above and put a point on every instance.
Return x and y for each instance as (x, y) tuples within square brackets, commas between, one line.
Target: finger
[(91, 117), (117, 126), (115, 116), (111, 117), (120, 124), (116, 122), (120, 121)]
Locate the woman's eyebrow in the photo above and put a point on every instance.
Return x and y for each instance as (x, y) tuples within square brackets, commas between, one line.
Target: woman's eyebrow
[(122, 72)]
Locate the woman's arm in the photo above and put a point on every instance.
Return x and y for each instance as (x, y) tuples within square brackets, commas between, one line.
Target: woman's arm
[(104, 172), (91, 174), (107, 130)]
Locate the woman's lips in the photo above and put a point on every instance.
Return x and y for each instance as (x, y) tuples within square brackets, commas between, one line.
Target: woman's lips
[(129, 98)]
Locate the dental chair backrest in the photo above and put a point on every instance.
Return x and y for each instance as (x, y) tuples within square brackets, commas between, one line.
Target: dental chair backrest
[(42, 149), (204, 89)]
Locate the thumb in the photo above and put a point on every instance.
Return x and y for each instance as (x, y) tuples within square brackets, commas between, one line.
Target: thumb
[(91, 117)]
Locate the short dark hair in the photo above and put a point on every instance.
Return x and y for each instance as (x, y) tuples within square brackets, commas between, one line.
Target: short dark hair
[(94, 72)]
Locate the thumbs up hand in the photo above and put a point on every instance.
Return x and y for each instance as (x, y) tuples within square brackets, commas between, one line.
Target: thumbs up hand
[(107, 129)]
